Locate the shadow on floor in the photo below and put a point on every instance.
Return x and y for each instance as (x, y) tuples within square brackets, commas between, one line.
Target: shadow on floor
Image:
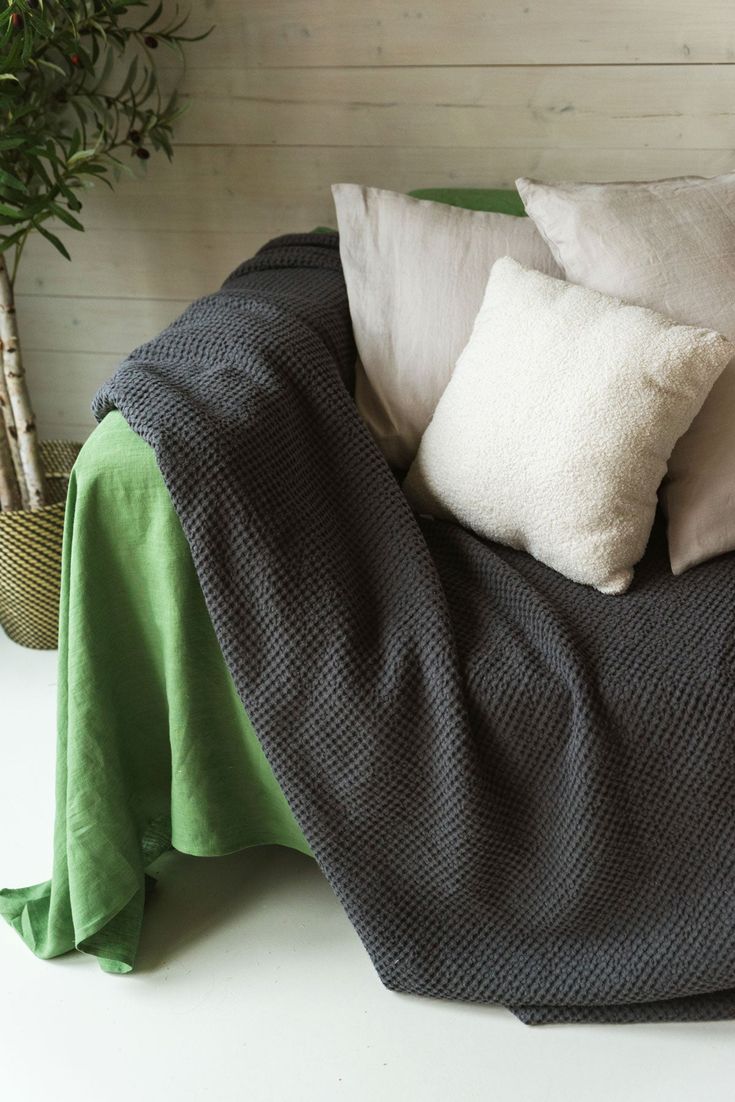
[(196, 897)]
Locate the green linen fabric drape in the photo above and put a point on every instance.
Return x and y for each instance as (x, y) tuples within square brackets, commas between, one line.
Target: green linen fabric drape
[(154, 746)]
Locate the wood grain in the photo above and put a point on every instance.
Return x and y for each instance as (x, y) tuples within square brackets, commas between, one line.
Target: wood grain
[(63, 385), (467, 32), (624, 107), (260, 191), (96, 325), (136, 264)]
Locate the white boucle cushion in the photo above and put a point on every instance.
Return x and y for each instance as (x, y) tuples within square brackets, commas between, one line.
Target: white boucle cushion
[(416, 272), (668, 245), (555, 429)]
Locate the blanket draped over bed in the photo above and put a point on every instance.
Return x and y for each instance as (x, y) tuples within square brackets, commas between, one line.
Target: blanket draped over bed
[(522, 791)]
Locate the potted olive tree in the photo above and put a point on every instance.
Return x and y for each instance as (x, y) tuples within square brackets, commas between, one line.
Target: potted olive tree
[(80, 102)]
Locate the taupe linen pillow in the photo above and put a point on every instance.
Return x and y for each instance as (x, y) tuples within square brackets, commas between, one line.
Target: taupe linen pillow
[(668, 245), (416, 272)]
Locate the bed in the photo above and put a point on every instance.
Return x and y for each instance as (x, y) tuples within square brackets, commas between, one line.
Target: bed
[(156, 750)]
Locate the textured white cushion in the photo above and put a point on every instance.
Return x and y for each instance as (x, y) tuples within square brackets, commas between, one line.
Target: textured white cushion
[(668, 245), (554, 431), (416, 272)]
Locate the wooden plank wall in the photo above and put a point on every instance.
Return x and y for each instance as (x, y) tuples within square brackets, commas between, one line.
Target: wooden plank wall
[(289, 96)]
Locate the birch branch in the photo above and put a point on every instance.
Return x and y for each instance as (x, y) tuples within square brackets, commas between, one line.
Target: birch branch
[(9, 492), (19, 398), (11, 435)]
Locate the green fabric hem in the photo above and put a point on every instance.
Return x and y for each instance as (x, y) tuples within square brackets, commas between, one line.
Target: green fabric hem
[(14, 908), (116, 950), (225, 849)]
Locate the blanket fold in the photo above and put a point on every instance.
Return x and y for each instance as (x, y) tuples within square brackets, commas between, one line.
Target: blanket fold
[(520, 789)]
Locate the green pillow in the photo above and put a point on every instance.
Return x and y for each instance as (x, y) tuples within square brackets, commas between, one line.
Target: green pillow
[(474, 198)]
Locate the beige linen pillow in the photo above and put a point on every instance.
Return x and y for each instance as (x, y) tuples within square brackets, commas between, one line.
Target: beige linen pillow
[(554, 431), (668, 245), (416, 272)]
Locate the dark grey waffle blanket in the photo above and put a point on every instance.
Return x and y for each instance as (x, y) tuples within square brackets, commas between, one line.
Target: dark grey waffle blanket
[(521, 790)]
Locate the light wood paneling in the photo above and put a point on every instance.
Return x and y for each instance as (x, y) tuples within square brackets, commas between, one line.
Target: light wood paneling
[(580, 107), (89, 325), (63, 385), (467, 32), (292, 96), (261, 191), (136, 264)]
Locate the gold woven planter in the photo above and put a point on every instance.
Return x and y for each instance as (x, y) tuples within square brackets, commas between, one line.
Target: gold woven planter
[(30, 557)]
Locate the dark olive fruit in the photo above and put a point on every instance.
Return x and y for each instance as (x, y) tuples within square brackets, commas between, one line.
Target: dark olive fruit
[(150, 42), (142, 153), (134, 137)]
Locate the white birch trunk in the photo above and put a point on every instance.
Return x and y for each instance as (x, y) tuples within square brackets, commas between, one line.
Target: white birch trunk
[(9, 491), (19, 398), (11, 436)]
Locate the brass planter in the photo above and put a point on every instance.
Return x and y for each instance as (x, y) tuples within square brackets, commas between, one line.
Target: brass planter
[(30, 557)]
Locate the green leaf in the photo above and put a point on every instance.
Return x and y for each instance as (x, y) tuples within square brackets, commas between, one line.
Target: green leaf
[(12, 239), (66, 218), (40, 171), (194, 37), (12, 181), (71, 199), (129, 79), (58, 245), (174, 45), (97, 168), (51, 65), (80, 156), (80, 112), (172, 28), (64, 125), (106, 68), (151, 18)]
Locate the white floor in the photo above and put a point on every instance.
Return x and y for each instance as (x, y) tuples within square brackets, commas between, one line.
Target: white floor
[(252, 985)]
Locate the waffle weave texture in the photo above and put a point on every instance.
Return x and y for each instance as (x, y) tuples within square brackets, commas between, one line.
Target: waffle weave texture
[(521, 790)]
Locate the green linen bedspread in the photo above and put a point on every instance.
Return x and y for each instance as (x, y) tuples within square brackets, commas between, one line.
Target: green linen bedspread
[(154, 749)]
